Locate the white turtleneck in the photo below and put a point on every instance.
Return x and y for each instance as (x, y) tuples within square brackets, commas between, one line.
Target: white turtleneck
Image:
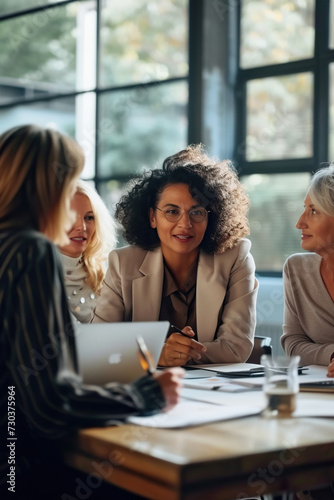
[(81, 297)]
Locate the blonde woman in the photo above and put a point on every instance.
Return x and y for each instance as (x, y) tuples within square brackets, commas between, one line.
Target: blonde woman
[(39, 170), (84, 258)]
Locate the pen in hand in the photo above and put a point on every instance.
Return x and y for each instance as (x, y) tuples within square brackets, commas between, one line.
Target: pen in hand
[(200, 348), (145, 356), (179, 331)]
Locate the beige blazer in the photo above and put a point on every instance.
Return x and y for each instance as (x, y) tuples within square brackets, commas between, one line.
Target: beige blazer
[(226, 294)]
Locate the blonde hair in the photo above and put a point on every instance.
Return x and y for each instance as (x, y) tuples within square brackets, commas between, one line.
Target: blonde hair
[(37, 170), (103, 240)]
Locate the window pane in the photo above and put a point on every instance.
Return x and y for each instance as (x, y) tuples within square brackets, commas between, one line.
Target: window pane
[(279, 117), (331, 25), (111, 192), (331, 112), (143, 41), (9, 6), (276, 205), (47, 52), (141, 126), (273, 31), (71, 115), (57, 113)]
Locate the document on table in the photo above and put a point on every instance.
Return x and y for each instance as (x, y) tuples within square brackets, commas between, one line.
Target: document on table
[(249, 398), (233, 370), (236, 370), (215, 384), (318, 386), (196, 374), (191, 413), (314, 373), (314, 407), (317, 380)]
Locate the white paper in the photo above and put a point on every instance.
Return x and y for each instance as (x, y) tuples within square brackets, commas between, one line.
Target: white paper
[(316, 373), (215, 384), (229, 367), (190, 374), (314, 407), (247, 399), (190, 413)]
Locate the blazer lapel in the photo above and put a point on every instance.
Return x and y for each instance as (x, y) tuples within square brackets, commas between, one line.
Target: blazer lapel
[(147, 290), (210, 293)]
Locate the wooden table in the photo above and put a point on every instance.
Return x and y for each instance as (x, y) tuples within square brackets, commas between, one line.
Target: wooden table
[(219, 461)]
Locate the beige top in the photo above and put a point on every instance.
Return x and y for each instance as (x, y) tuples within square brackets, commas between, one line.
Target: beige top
[(308, 328)]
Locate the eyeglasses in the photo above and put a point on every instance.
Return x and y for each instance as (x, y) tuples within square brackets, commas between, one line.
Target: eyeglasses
[(195, 214)]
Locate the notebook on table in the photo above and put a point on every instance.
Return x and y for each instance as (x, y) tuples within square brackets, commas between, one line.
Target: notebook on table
[(320, 386), (108, 352)]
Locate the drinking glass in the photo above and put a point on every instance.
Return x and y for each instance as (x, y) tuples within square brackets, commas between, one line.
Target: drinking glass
[(281, 384)]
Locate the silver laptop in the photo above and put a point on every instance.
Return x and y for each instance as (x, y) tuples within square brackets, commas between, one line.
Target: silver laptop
[(108, 352)]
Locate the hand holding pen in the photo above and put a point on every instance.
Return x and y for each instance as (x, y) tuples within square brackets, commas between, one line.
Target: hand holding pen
[(180, 347), (170, 380)]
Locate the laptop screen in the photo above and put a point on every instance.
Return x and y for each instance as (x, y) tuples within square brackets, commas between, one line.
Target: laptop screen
[(108, 352)]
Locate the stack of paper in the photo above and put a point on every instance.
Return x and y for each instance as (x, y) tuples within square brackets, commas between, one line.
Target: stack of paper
[(189, 413)]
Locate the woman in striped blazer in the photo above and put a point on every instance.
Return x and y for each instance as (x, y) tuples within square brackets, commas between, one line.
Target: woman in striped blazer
[(40, 391)]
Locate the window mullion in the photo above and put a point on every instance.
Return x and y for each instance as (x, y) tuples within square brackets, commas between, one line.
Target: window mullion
[(321, 83), (98, 85)]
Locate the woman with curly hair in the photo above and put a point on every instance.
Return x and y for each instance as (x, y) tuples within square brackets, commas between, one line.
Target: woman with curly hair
[(84, 258), (187, 262)]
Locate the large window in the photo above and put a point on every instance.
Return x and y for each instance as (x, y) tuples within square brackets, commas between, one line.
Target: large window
[(112, 74), (136, 80), (285, 124)]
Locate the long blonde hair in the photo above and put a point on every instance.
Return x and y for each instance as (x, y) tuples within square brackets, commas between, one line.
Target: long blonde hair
[(37, 167), (103, 240)]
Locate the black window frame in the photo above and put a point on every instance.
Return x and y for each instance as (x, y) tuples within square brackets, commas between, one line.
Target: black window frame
[(213, 55), (319, 66), (97, 179)]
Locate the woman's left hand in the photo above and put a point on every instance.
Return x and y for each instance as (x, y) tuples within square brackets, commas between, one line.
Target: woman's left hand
[(179, 349)]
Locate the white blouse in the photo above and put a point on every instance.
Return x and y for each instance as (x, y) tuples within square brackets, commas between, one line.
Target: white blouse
[(81, 297)]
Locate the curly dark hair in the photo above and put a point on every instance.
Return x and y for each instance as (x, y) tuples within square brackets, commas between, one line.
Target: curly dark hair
[(214, 184)]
